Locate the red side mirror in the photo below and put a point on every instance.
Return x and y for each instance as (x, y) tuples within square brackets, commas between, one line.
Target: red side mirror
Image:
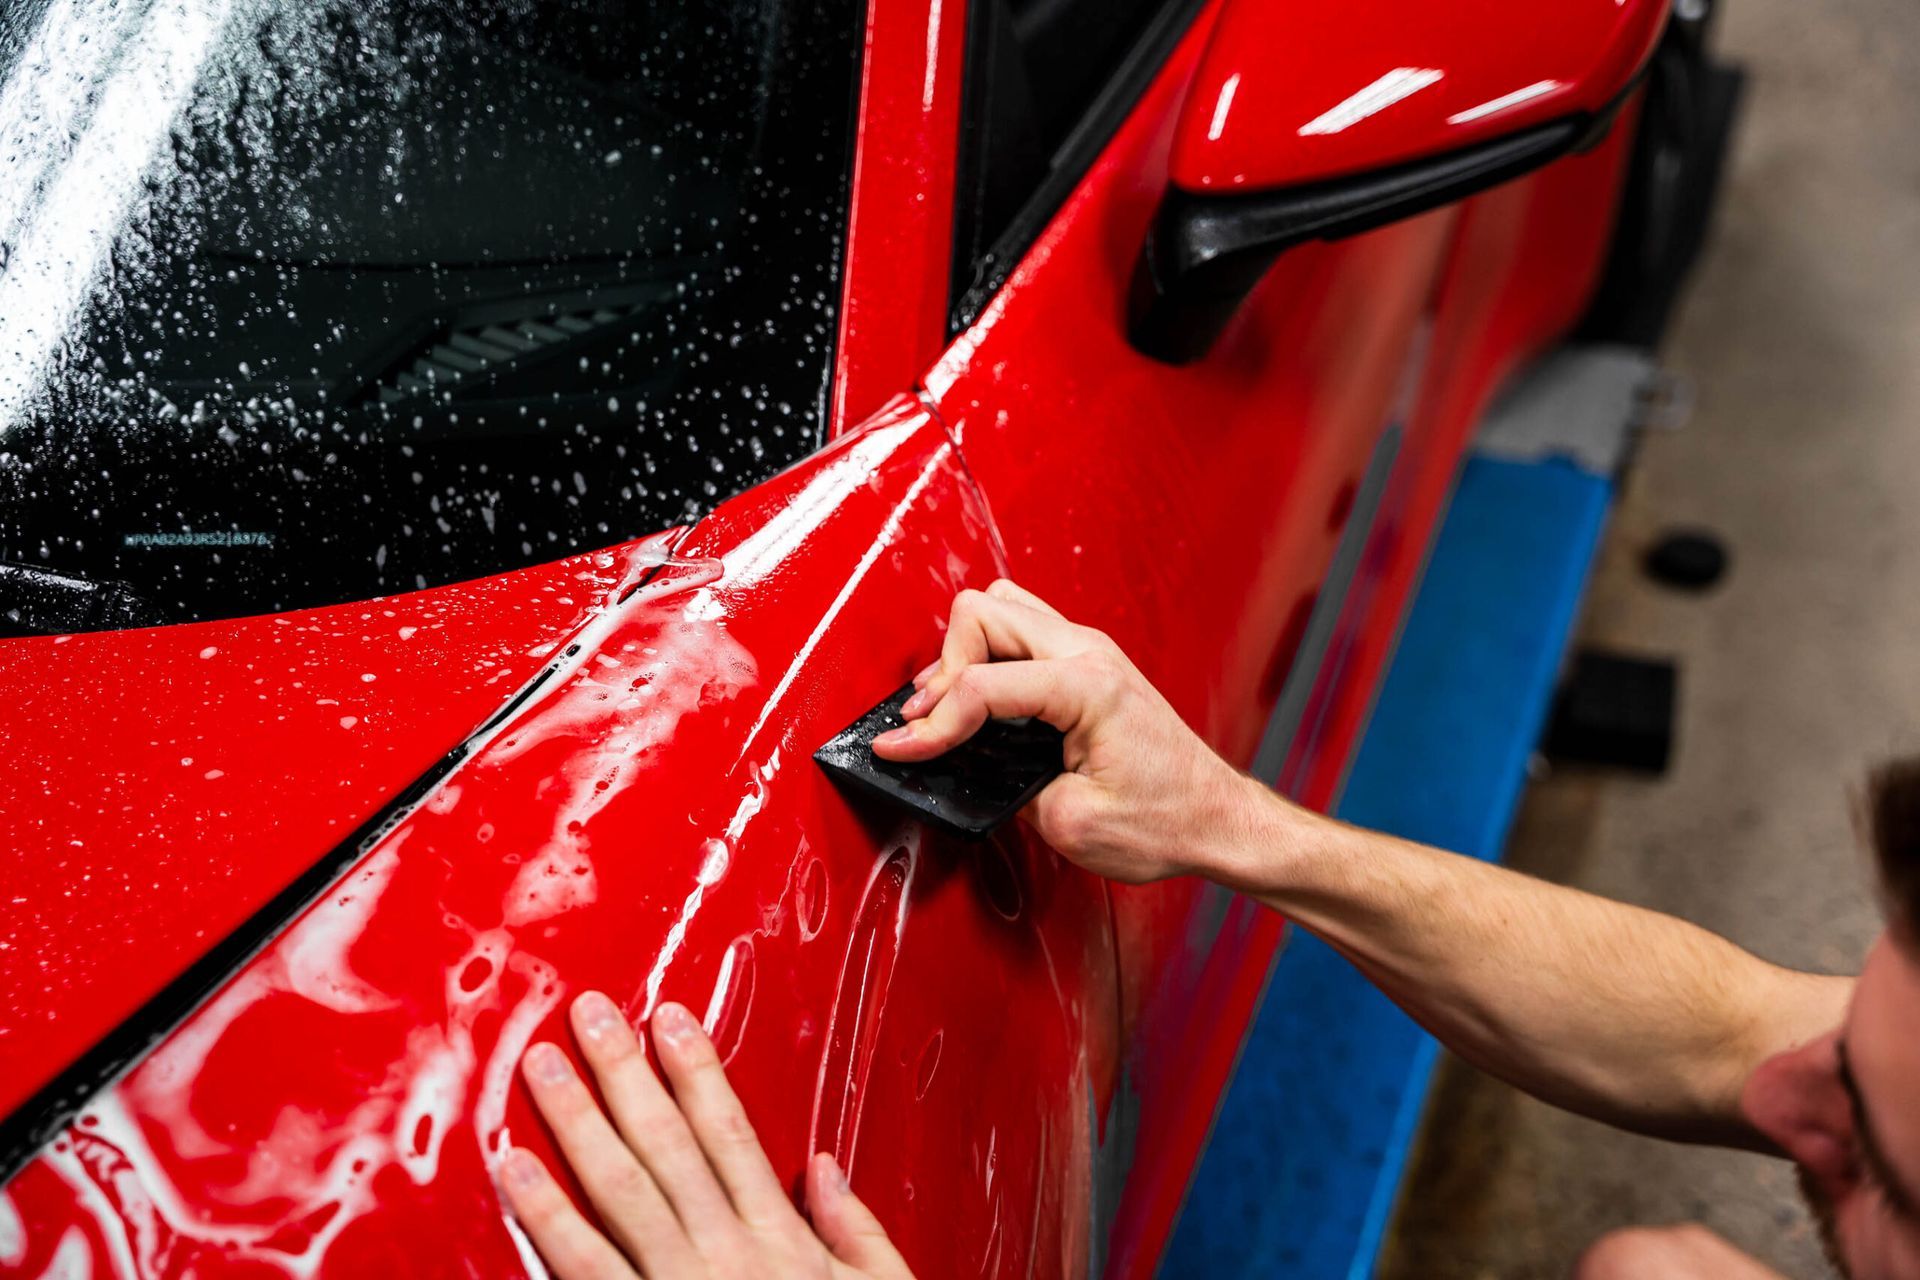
[(1320, 120)]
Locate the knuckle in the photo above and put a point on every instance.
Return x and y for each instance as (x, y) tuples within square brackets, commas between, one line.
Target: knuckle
[(535, 1207), (620, 1180), (543, 1212), (673, 1143), (777, 1221), (1100, 668), (700, 1057), (566, 1102), (1065, 820), (608, 1051), (732, 1128)]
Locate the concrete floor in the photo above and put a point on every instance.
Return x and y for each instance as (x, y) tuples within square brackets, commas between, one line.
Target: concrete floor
[(1801, 332)]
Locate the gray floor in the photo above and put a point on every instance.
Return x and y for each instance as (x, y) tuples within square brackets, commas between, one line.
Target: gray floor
[(1802, 334)]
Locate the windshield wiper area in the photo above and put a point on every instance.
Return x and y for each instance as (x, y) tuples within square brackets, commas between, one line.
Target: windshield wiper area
[(496, 349), (35, 602)]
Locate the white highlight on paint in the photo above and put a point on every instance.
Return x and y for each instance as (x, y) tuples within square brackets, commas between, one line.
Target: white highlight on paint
[(1398, 84), (676, 934), (93, 1202), (1218, 124), (13, 1237), (314, 949), (516, 1033), (716, 1003), (436, 1074), (933, 55), (530, 1259), (889, 531), (71, 1260), (1494, 106)]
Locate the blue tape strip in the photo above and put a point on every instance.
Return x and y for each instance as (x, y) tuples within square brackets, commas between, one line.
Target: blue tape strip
[(1312, 1136)]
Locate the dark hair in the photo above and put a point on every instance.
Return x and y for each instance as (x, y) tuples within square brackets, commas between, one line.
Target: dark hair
[(1893, 825)]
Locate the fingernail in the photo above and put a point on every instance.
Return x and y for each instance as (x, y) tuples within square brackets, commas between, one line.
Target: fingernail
[(600, 1018), (926, 674), (521, 1168), (674, 1023), (836, 1176), (914, 705), (547, 1065)]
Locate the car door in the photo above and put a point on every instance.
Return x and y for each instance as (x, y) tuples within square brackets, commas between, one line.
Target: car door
[(1246, 525), (1192, 512)]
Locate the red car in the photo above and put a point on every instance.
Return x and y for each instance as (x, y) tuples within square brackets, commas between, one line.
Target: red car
[(459, 460)]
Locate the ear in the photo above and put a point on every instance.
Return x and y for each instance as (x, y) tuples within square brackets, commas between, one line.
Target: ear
[(1796, 1100)]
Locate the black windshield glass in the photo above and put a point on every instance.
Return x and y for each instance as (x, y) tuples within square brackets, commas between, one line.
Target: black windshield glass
[(309, 302)]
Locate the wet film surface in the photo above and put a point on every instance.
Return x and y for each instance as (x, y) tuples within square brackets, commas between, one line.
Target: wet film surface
[(969, 790)]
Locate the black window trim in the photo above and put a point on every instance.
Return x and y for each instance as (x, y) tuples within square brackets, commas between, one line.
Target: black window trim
[(968, 297)]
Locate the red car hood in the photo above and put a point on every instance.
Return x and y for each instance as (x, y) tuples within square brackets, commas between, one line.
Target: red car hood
[(162, 785)]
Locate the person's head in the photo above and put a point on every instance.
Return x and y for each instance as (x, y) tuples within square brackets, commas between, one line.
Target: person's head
[(1846, 1107)]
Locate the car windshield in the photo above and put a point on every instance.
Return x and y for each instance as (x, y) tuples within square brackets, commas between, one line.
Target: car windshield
[(307, 301)]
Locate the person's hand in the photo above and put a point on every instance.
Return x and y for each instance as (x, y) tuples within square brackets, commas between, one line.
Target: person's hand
[(1142, 793), (679, 1180)]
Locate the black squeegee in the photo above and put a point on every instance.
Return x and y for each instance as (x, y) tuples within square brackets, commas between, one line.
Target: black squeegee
[(968, 791)]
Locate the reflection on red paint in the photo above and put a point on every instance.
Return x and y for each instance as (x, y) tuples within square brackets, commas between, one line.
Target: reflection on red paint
[(726, 1019), (813, 898), (928, 1064), (853, 1026), (196, 770), (337, 1107)]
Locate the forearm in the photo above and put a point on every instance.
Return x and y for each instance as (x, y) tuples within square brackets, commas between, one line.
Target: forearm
[(1624, 1014), (1620, 1013)]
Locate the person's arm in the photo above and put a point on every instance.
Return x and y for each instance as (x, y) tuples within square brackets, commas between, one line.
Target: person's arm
[(1619, 1013)]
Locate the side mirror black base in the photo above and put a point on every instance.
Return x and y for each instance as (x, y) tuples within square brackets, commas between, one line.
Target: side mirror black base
[(1204, 253)]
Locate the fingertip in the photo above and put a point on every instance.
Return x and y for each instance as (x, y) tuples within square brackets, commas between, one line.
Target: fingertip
[(910, 748), (675, 1025), (521, 1171), (829, 1179), (896, 744), (545, 1063), (594, 1005), (845, 1225), (598, 1021)]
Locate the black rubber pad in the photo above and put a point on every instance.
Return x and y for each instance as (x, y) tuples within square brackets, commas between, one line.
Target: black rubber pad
[(968, 791)]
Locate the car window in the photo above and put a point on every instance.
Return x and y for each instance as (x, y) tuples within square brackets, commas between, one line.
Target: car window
[(1048, 81), (305, 301)]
